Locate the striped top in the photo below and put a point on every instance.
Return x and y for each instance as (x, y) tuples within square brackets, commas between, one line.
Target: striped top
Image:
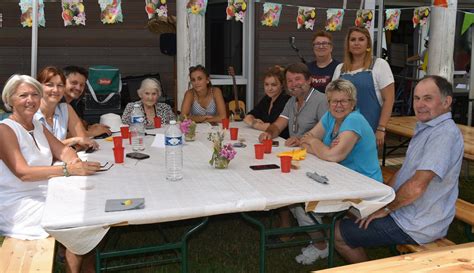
[(198, 110)]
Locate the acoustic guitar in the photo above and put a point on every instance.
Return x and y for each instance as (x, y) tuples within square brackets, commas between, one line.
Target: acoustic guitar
[(236, 106)]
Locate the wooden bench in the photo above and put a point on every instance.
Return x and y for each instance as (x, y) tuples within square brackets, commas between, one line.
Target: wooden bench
[(387, 173), (443, 242), (465, 213), (457, 258), (21, 256)]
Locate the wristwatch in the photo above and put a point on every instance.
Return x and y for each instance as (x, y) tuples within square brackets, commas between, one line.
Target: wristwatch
[(381, 128)]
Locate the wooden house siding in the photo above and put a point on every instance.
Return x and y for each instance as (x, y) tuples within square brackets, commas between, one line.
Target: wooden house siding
[(128, 45), (272, 43)]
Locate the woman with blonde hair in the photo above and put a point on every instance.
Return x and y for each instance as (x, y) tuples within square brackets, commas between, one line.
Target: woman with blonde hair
[(372, 77), (270, 106), (149, 93), (27, 151), (203, 102)]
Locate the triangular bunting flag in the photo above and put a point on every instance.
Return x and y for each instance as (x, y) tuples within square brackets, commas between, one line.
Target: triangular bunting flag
[(271, 14), (468, 21)]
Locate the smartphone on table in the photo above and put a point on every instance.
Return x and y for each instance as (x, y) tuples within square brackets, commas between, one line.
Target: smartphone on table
[(264, 167), (138, 156)]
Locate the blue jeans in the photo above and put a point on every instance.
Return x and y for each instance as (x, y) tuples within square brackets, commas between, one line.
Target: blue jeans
[(380, 232)]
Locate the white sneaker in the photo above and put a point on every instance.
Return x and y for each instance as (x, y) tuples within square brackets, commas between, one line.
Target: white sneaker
[(310, 254)]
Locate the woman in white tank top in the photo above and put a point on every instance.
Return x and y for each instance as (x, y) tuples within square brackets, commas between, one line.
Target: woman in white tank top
[(203, 102), (27, 150)]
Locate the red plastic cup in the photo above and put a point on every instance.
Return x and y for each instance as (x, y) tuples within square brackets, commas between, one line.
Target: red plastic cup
[(259, 150), (267, 143), (225, 123), (117, 141), (118, 154), (157, 121), (285, 161), (234, 133), (124, 131)]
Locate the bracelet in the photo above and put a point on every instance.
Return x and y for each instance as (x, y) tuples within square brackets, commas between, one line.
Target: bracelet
[(380, 128), (387, 210), (65, 171)]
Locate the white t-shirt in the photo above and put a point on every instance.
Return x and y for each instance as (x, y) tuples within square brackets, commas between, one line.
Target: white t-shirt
[(381, 74)]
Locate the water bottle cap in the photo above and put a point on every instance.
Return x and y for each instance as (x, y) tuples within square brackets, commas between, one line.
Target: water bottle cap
[(172, 122)]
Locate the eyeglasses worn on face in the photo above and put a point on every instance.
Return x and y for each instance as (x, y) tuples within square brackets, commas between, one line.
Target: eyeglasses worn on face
[(323, 44), (342, 102)]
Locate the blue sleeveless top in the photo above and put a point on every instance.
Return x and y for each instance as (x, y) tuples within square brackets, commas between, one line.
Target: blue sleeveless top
[(60, 121)]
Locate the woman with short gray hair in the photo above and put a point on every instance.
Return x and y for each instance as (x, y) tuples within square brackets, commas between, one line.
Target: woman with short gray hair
[(149, 93)]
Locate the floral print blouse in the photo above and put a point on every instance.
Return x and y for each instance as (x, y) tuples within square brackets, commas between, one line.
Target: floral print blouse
[(162, 110)]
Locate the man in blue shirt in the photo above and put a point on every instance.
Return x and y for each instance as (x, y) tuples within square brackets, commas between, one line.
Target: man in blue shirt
[(426, 186)]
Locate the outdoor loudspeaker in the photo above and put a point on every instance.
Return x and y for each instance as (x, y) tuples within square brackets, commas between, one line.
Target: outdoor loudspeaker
[(168, 43)]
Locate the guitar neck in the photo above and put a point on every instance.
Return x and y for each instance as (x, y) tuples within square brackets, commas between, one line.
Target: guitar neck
[(234, 88)]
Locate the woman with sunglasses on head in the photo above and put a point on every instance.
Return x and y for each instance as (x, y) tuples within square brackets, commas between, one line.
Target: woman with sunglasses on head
[(203, 102), (372, 77), (342, 135), (272, 104), (59, 117), (27, 151)]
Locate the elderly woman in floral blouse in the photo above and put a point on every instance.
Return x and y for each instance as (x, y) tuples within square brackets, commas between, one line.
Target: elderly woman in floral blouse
[(149, 93)]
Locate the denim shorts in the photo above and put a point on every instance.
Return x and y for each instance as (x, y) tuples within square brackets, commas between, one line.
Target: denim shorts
[(381, 232)]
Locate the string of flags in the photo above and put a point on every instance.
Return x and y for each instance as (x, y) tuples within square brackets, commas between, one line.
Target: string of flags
[(73, 13)]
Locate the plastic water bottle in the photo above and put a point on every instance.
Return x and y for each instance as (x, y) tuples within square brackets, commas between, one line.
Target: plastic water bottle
[(137, 128), (174, 152)]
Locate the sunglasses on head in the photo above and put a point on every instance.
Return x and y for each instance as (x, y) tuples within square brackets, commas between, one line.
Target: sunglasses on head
[(197, 67)]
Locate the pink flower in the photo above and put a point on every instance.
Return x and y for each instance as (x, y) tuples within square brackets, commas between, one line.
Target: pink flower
[(228, 152), (185, 125)]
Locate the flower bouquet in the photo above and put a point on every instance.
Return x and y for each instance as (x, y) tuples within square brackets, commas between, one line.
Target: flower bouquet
[(188, 128), (222, 153)]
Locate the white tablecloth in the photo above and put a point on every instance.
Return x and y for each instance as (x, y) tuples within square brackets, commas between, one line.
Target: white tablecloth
[(74, 211)]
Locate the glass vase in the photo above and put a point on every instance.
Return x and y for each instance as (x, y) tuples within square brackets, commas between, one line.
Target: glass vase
[(221, 163), (190, 137)]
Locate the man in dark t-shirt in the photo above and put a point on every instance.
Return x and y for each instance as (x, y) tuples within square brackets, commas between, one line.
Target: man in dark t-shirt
[(324, 65), (73, 94)]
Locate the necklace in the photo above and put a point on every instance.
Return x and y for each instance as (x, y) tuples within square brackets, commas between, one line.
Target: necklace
[(26, 127)]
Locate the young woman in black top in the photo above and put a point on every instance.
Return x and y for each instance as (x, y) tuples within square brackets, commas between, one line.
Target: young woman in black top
[(270, 106)]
